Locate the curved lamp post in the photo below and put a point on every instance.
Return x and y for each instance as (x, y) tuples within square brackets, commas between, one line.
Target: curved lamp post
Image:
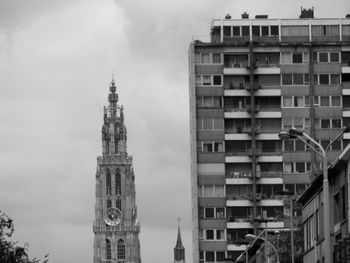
[(321, 152), (266, 243)]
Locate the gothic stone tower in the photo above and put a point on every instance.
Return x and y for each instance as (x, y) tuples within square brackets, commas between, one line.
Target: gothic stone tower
[(116, 228)]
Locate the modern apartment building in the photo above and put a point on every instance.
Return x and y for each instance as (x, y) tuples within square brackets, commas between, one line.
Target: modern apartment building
[(248, 81)]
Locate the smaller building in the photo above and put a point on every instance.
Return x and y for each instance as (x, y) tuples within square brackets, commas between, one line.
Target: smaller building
[(312, 212), (179, 249)]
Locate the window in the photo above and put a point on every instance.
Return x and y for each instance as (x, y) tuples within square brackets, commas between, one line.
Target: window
[(216, 58), (209, 212), (227, 31), (334, 57), (118, 203), (205, 58), (245, 30), (218, 124), (207, 124), (121, 249), (220, 256), (298, 101), (208, 190), (324, 79), (108, 182), (256, 30), (286, 58), (209, 234), (217, 79), (109, 203), (218, 147), (287, 79), (108, 250), (287, 102), (288, 168), (209, 256), (264, 30), (206, 80), (219, 191), (220, 212), (324, 101), (208, 147), (297, 57), (335, 101), (336, 146), (118, 182), (323, 57), (300, 167), (220, 234), (274, 30), (236, 31), (299, 145), (298, 79), (325, 124), (335, 79), (336, 123), (288, 145)]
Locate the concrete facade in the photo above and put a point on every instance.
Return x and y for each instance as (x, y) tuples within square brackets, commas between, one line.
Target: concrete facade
[(248, 81)]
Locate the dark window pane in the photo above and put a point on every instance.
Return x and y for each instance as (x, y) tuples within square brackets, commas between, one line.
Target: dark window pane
[(297, 57), (335, 79), (323, 57), (245, 30), (298, 79), (216, 58), (227, 31), (325, 124), (324, 79), (265, 30), (209, 212), (236, 31), (336, 123), (336, 146), (209, 256), (256, 30), (335, 57), (217, 80), (274, 30), (287, 79), (300, 167)]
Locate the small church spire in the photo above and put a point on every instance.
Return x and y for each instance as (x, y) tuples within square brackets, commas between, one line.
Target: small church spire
[(179, 250)]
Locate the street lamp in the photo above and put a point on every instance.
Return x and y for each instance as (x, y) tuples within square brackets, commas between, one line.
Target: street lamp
[(266, 241), (293, 134), (290, 194)]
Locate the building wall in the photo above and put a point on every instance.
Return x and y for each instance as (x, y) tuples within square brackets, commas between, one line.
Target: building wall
[(245, 89)]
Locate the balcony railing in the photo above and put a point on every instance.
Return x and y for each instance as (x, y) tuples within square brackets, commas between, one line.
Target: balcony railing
[(239, 197), (239, 175), (239, 152)]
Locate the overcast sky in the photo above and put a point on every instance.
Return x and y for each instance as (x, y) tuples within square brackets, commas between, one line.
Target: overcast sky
[(56, 62)]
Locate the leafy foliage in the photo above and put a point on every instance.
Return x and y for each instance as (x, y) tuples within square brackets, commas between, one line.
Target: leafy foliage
[(11, 252)]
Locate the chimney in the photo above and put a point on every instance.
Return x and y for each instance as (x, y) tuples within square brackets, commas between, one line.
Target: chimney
[(307, 13), (245, 15)]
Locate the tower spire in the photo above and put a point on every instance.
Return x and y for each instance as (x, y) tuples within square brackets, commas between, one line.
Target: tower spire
[(179, 250)]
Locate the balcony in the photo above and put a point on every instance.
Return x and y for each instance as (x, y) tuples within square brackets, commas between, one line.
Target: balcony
[(268, 174), (239, 175)]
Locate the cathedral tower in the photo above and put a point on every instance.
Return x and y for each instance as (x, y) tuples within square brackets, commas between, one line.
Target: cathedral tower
[(115, 227)]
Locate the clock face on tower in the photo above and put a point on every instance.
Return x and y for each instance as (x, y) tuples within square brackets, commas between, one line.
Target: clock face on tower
[(113, 216)]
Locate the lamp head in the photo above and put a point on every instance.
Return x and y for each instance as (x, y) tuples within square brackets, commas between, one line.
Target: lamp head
[(285, 135)]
